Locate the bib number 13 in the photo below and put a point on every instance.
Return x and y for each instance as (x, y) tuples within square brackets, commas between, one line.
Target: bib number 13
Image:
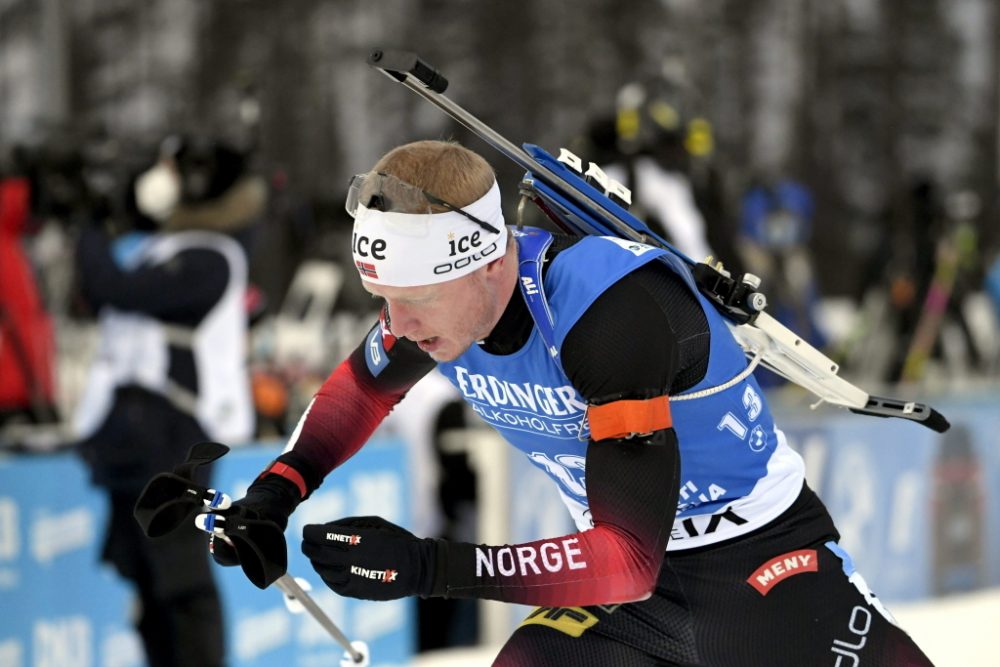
[(730, 422)]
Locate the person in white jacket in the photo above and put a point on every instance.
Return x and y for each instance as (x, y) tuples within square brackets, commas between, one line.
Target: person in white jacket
[(170, 371)]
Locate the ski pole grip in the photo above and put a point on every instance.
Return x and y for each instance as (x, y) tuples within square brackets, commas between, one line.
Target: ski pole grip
[(398, 64)]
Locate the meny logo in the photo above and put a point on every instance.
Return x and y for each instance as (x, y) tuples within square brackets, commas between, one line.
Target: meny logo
[(776, 570)]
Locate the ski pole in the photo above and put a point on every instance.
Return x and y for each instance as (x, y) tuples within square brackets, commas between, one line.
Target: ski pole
[(296, 597), (168, 500), (560, 188), (357, 651)]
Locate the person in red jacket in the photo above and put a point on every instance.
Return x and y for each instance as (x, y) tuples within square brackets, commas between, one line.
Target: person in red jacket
[(27, 349)]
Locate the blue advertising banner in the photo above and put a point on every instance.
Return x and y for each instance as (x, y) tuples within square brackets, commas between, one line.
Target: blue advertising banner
[(56, 606), (919, 511), (60, 608)]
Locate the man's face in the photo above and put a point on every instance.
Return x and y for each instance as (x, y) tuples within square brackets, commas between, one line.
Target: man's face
[(444, 320)]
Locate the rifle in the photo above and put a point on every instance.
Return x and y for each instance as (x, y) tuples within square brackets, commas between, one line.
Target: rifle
[(583, 200)]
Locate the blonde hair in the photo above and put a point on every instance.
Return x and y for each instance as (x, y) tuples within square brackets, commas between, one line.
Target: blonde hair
[(446, 169)]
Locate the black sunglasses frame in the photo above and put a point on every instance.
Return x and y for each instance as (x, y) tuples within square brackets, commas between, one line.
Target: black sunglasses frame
[(379, 201)]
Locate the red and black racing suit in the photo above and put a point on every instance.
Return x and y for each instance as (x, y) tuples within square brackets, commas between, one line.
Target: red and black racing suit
[(703, 609)]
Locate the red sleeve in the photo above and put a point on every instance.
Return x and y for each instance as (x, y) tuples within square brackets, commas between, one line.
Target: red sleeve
[(355, 399), (632, 484), (27, 347), (632, 488)]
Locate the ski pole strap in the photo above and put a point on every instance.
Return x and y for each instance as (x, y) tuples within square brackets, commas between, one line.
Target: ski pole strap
[(531, 248), (169, 498)]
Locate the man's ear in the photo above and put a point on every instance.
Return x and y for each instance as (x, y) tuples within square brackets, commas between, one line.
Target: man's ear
[(497, 266)]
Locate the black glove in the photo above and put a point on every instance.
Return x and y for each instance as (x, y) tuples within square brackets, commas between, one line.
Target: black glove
[(170, 498), (369, 558), (250, 532), (269, 499)]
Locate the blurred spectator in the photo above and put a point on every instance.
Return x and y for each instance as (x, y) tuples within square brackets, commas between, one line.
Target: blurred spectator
[(651, 162), (955, 260), (993, 284), (927, 264), (776, 226), (908, 259), (170, 371), (27, 347), (289, 234), (662, 152)]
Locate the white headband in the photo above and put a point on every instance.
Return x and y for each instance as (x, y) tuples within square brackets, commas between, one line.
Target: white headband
[(411, 249)]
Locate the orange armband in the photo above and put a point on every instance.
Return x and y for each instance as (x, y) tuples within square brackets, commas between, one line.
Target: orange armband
[(622, 419)]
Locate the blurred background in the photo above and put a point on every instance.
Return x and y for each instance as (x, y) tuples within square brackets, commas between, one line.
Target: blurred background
[(848, 151)]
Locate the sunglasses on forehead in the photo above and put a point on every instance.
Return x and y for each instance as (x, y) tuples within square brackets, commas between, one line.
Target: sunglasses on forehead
[(384, 192)]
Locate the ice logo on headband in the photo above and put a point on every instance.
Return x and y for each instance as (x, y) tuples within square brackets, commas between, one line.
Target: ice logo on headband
[(412, 249), (364, 247), (464, 244), (461, 246)]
